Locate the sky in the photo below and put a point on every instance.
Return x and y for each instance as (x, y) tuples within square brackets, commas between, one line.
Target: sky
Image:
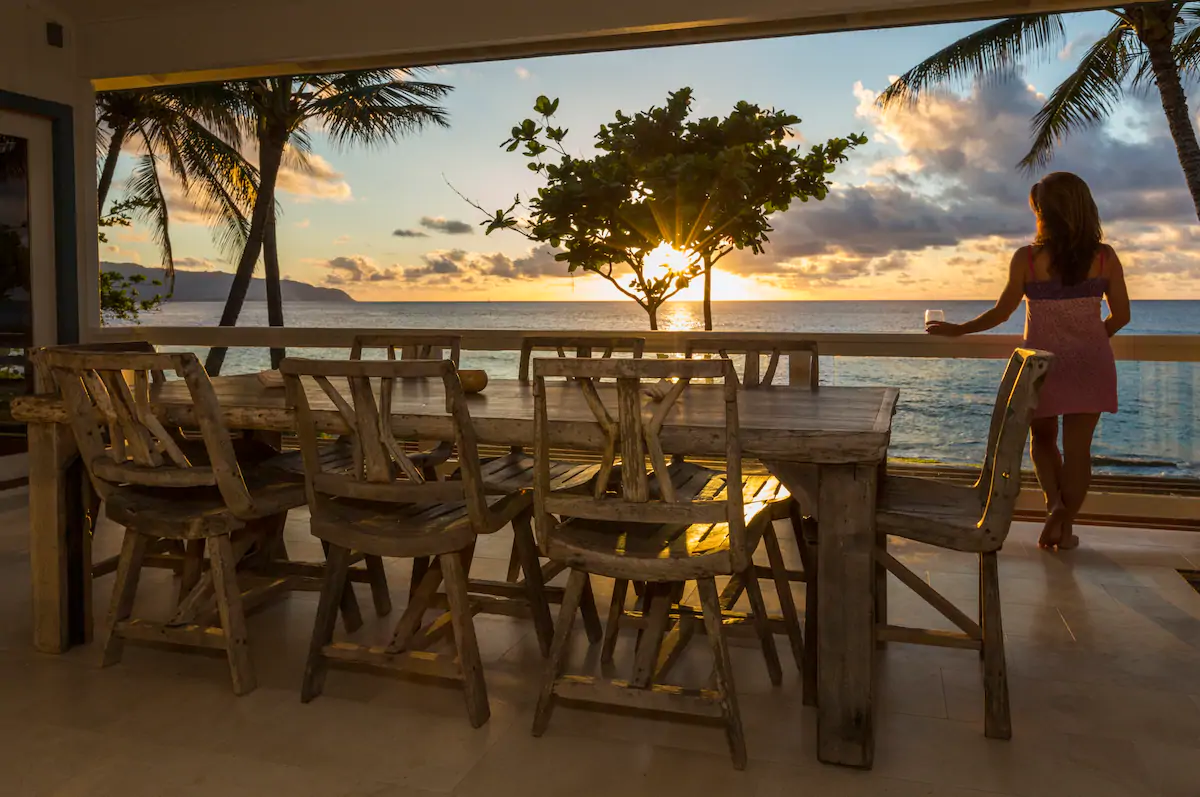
[(931, 207)]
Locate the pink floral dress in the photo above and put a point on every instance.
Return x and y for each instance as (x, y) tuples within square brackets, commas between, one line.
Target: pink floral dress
[(1065, 320)]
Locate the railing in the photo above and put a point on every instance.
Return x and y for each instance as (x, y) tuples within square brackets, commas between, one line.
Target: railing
[(1142, 348), (937, 403)]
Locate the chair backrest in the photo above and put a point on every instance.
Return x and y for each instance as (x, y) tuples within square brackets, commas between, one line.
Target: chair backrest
[(410, 346), (578, 347), (361, 394), (1000, 479), (752, 374), (108, 395), (642, 408)]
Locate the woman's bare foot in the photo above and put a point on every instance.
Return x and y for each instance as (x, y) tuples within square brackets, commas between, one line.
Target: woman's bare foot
[(1068, 541), (1052, 531)]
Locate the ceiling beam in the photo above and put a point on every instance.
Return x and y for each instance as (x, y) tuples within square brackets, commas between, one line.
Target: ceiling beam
[(228, 64)]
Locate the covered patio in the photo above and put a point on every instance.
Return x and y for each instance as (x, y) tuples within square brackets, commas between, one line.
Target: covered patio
[(1103, 650)]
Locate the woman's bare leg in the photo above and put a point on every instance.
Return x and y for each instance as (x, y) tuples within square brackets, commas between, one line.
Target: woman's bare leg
[(1048, 465), (1077, 469)]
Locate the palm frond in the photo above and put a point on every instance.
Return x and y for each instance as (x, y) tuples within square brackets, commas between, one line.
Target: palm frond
[(223, 184), (1186, 51), (144, 187), (989, 51), (1086, 98), (374, 107)]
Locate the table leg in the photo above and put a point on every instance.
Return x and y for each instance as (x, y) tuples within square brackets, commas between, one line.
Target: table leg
[(846, 611), (58, 553)]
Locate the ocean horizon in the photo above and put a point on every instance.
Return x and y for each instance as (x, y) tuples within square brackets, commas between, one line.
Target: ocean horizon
[(944, 404)]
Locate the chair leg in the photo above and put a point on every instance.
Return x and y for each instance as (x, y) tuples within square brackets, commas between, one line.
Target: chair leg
[(193, 568), (377, 578), (474, 686), (710, 605), (233, 620), (762, 624), (616, 611), (420, 566), (658, 619), (129, 568), (514, 564), (351, 614), (558, 651), (337, 571), (526, 547), (881, 588), (982, 590), (591, 615), (783, 589), (997, 722), (805, 532)]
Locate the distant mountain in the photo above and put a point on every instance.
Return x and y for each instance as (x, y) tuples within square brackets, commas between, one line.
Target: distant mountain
[(213, 286)]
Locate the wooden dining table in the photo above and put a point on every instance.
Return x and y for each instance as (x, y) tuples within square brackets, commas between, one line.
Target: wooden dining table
[(840, 435)]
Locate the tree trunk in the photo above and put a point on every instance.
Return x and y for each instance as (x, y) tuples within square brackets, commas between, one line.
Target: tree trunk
[(1156, 32), (653, 313), (708, 322), (270, 153), (274, 292), (115, 141)]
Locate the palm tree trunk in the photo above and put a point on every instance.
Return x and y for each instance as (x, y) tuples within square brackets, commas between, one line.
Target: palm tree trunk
[(270, 154), (708, 321), (274, 291), (110, 164), (1156, 32)]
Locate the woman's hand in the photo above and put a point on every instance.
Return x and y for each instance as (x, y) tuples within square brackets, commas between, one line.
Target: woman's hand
[(945, 329)]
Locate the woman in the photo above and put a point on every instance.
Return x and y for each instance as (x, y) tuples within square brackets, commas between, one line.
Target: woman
[(1063, 275)]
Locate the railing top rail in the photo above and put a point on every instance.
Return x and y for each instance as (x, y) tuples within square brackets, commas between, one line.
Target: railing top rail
[(1146, 348)]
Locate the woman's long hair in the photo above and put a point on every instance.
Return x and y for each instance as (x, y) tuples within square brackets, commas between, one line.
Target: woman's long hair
[(1068, 224)]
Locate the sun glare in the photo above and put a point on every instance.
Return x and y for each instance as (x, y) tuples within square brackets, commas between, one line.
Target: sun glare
[(665, 258)]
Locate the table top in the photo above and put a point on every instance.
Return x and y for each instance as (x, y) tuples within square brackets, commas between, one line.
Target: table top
[(829, 425)]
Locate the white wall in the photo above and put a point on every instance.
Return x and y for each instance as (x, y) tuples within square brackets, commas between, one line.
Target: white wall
[(31, 67), (180, 40)]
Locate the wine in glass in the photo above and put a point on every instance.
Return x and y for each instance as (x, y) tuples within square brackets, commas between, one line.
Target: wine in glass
[(933, 315)]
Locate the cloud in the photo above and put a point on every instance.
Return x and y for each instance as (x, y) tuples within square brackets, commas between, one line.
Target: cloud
[(410, 234), (302, 224), (523, 73), (341, 239), (447, 266), (354, 269), (315, 180), (943, 179), (195, 264), (447, 226), (118, 255)]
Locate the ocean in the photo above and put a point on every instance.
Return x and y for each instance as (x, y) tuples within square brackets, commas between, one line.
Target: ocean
[(944, 404)]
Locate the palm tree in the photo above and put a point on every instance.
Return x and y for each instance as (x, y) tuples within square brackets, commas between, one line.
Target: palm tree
[(370, 107), (194, 130), (1155, 40)]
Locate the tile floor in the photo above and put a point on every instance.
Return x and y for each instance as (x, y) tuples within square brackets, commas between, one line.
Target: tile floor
[(1104, 663)]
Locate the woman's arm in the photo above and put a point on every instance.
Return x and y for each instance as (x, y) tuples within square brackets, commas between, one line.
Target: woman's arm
[(1118, 297), (1009, 301)]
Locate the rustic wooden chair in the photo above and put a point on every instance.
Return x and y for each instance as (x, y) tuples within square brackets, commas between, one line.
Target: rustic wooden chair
[(159, 486), (974, 519), (579, 347), (803, 360), (662, 533), (801, 354), (384, 506)]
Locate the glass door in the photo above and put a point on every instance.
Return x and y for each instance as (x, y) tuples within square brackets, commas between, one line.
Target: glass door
[(26, 263)]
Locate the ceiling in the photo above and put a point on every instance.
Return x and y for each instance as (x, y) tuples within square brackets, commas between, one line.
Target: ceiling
[(155, 42)]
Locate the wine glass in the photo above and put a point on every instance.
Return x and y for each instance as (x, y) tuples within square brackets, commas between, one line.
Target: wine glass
[(933, 315)]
